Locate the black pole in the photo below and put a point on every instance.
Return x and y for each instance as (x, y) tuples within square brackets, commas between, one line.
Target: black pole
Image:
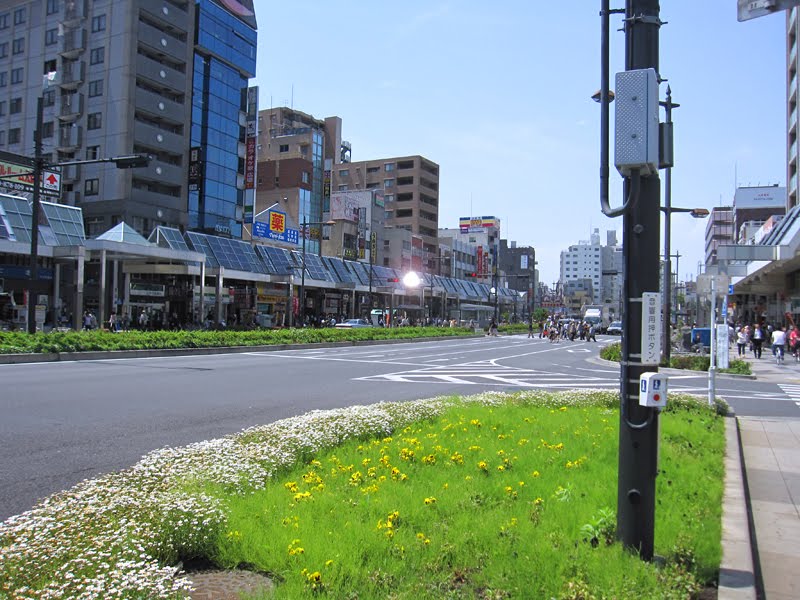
[(638, 436), (667, 343), (38, 162)]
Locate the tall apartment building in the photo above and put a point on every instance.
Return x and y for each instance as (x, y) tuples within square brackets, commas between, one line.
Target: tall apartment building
[(584, 261), (411, 195), (166, 78), (719, 230), (292, 151)]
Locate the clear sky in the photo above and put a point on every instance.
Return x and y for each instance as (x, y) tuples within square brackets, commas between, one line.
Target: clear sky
[(499, 95)]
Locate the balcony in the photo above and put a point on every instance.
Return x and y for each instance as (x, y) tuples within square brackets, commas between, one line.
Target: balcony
[(71, 174), (74, 43), (160, 75), (172, 17), (74, 12), (70, 138), (71, 108), (163, 43), (150, 136), (160, 107), (72, 74)]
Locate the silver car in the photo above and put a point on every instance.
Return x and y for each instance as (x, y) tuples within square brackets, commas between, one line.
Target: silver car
[(615, 328)]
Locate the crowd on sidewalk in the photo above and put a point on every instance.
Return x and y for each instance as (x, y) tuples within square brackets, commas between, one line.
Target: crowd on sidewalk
[(753, 338), (567, 329)]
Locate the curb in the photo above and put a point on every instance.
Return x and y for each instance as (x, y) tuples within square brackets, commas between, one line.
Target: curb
[(13, 359), (737, 580), (604, 362)]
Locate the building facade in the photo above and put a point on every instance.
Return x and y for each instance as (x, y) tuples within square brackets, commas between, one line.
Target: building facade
[(720, 229), (584, 261), (792, 93), (146, 76), (410, 187)]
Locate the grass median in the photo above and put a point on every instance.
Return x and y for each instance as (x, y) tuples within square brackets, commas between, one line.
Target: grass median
[(16, 342), (489, 496)]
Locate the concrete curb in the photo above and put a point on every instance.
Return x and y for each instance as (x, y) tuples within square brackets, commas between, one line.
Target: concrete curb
[(668, 370), (12, 359), (736, 571)]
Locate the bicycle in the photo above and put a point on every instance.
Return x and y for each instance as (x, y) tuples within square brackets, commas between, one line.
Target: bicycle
[(778, 350)]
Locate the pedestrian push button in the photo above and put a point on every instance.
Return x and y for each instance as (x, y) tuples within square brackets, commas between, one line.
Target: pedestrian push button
[(653, 390)]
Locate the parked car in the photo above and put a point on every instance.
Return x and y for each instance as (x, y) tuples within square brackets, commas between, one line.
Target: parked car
[(615, 328), (350, 323)]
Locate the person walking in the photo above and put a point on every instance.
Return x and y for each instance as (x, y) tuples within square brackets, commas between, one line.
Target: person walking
[(741, 340), (758, 340), (530, 328)]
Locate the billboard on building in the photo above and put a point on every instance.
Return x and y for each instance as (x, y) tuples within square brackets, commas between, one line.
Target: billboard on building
[(242, 9), (345, 205), (13, 164), (275, 228), (476, 224), (760, 197)]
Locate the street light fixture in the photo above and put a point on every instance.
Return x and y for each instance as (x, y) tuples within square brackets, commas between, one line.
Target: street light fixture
[(306, 225)]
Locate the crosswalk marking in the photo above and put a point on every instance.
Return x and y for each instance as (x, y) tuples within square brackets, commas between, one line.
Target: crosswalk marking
[(792, 390)]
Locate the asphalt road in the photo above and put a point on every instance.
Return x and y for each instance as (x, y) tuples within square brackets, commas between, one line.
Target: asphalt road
[(67, 421)]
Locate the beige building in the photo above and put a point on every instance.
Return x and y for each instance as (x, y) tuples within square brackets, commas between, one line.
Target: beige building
[(410, 187)]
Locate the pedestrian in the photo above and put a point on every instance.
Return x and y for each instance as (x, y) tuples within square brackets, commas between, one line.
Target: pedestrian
[(758, 340), (741, 340), (794, 340), (112, 322), (530, 328), (778, 342), (591, 334)]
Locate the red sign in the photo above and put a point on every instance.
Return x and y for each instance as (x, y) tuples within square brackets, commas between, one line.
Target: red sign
[(250, 164), (277, 222)]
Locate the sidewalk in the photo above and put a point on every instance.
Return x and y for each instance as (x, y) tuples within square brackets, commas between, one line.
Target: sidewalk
[(770, 449)]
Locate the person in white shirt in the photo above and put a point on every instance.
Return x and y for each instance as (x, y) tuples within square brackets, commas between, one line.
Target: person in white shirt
[(778, 341)]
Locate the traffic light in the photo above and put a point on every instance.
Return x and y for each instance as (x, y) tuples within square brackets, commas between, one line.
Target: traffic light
[(393, 279), (473, 274)]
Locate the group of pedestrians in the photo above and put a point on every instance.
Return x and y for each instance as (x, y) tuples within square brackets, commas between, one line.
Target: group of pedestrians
[(566, 329), (756, 336)]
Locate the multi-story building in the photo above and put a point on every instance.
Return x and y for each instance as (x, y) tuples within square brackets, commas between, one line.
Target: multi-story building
[(757, 203), (461, 257), (292, 150), (150, 77), (719, 230), (482, 233), (410, 186), (584, 261), (518, 264)]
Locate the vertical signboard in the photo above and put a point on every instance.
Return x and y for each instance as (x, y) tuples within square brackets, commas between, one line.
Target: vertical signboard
[(251, 137), (651, 328), (723, 350), (195, 168)]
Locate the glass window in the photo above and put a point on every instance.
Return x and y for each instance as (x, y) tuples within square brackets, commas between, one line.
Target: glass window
[(48, 98), (95, 88), (2, 108), (3, 49), (94, 121), (17, 75), (284, 148), (14, 135), (344, 173), (3, 78), (18, 46), (97, 56), (2, 138), (343, 188), (388, 183), (305, 177), (51, 37), (19, 16), (92, 152), (47, 129), (388, 167), (98, 23), (91, 187), (15, 106), (4, 21), (52, 7)]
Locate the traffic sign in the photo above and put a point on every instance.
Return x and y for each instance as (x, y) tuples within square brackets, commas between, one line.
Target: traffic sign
[(752, 9)]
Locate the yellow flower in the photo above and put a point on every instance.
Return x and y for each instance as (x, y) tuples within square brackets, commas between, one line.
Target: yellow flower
[(328, 563), (483, 466), (535, 474), (430, 500), (563, 409)]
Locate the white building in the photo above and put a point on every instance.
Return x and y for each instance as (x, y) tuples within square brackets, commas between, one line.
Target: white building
[(584, 260)]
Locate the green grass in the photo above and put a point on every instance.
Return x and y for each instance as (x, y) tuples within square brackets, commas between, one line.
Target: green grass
[(487, 496), (12, 342), (516, 500), (691, 362)]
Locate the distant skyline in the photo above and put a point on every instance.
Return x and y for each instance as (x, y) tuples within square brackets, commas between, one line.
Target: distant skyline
[(500, 97)]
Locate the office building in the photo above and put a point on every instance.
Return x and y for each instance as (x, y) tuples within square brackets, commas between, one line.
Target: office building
[(410, 187), (584, 261), (163, 78), (720, 230)]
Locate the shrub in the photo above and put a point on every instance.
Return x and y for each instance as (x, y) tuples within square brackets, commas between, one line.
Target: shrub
[(612, 352)]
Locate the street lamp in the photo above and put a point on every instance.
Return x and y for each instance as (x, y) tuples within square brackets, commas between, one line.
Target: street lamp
[(412, 280), (306, 225), (697, 213)]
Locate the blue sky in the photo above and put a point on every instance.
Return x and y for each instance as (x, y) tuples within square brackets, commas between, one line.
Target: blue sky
[(498, 94)]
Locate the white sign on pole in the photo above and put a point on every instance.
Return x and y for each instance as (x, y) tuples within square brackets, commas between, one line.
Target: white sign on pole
[(723, 349), (751, 9), (651, 328)]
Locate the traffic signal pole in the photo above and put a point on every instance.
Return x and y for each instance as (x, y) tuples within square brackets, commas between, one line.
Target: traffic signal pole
[(638, 433)]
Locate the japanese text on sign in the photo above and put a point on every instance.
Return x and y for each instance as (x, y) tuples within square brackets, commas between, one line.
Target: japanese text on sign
[(651, 328)]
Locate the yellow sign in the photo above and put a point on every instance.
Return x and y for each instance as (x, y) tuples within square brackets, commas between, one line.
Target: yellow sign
[(277, 222)]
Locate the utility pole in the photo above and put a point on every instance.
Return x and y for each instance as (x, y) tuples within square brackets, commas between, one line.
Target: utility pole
[(38, 164), (638, 435)]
